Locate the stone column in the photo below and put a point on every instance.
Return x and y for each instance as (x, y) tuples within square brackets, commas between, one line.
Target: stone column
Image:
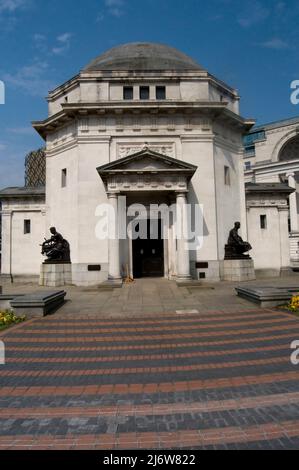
[(293, 203), (113, 242), (183, 256), (6, 268), (283, 214)]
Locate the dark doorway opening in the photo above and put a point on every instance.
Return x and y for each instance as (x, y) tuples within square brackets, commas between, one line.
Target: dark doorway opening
[(148, 254)]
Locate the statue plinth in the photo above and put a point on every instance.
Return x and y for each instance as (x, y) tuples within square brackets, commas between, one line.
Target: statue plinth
[(238, 270), (57, 274)]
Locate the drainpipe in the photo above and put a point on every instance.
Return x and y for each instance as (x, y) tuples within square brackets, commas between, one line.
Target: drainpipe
[(9, 214)]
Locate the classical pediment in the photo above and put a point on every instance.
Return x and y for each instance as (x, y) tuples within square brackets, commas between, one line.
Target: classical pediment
[(146, 171), (146, 161)]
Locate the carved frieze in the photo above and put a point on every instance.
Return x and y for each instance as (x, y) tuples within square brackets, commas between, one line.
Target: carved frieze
[(146, 183), (126, 150)]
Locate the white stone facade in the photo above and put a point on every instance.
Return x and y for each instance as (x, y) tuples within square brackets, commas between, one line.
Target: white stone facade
[(272, 156), (90, 125), (21, 253)]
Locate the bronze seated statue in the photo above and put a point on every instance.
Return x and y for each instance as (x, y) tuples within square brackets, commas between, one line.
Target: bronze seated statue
[(56, 248), (236, 247)]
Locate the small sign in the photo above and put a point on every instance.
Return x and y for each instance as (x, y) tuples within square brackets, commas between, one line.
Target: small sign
[(201, 265), (94, 267)]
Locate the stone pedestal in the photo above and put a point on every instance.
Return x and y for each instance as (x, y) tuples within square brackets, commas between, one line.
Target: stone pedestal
[(55, 275), (238, 270)]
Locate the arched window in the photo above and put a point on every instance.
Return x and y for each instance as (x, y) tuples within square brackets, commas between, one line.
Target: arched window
[(290, 151)]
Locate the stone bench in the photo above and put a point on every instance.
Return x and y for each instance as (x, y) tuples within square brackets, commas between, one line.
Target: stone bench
[(266, 296), (38, 304)]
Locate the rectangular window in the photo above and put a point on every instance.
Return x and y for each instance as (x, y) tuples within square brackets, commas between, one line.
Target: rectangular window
[(144, 92), (63, 177), (160, 93), (247, 165), (227, 175), (250, 151), (263, 222), (254, 137), (128, 92), (27, 226)]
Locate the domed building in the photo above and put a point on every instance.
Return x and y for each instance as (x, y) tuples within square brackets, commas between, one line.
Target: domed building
[(141, 129)]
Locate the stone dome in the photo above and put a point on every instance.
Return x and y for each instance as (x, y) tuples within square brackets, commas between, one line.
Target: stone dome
[(143, 57)]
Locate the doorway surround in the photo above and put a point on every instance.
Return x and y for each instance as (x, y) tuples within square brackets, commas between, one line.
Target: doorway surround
[(149, 172)]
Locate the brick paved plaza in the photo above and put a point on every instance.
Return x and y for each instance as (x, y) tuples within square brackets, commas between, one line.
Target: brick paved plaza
[(151, 366)]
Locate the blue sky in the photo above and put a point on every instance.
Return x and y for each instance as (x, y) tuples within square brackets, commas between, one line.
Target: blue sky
[(251, 45)]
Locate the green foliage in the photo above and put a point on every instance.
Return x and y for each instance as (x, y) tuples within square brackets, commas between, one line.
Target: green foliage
[(8, 318), (293, 305)]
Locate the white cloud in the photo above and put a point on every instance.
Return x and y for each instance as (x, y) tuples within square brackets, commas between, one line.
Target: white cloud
[(40, 42), (275, 43), (114, 8), (64, 38), (61, 45), (31, 79), (64, 43), (253, 13), (9, 10), (11, 6), (38, 38)]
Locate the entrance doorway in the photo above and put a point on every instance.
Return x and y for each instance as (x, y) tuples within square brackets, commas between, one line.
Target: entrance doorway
[(148, 254)]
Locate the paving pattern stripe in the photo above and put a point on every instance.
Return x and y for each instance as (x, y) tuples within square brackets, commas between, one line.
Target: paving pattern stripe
[(143, 370), (164, 316), (155, 423), (150, 378), (133, 347), (158, 337), (143, 357), (117, 330), (108, 367), (150, 409), (131, 311), (149, 388), (157, 397), (40, 353), (282, 443), (177, 321), (144, 440)]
